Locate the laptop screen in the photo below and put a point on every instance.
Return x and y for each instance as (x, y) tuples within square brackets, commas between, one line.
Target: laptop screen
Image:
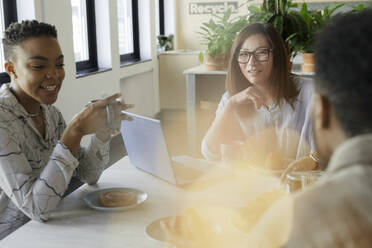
[(145, 143)]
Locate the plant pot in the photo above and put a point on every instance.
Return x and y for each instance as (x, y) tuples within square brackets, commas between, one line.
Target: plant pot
[(217, 63), (290, 64), (309, 62)]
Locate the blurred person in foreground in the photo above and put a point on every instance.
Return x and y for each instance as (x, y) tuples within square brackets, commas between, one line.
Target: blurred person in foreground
[(336, 210), (39, 153)]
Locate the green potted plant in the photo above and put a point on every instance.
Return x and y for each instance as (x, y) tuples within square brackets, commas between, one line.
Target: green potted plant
[(165, 42), (285, 19), (218, 35), (359, 7), (315, 21)]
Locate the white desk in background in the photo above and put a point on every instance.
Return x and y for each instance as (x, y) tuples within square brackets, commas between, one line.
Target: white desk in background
[(197, 78), (73, 224)]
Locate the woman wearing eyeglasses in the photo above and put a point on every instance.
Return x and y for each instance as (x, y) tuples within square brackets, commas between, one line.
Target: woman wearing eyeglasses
[(264, 108)]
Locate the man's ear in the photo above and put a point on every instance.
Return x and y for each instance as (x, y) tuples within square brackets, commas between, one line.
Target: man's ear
[(322, 111), (9, 68)]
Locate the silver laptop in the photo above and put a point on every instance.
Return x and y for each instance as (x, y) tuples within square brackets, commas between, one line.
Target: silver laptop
[(147, 150)]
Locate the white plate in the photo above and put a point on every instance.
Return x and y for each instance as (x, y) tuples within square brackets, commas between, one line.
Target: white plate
[(154, 232), (91, 199)]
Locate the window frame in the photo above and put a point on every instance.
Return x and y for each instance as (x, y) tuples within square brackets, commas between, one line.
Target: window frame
[(161, 18), (135, 56), (10, 15), (90, 65)]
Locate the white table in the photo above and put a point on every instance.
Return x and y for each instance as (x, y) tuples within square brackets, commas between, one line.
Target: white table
[(73, 224)]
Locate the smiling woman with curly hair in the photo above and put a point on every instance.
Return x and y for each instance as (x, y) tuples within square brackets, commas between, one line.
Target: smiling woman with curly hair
[(39, 153)]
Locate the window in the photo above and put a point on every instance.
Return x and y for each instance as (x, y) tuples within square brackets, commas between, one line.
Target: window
[(8, 12), (128, 31), (161, 17), (84, 36)]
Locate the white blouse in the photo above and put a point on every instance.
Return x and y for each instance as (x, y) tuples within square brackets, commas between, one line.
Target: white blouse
[(35, 172), (279, 129)]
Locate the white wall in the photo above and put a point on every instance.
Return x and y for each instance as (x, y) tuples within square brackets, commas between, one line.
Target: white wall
[(187, 24), (172, 81), (133, 81), (143, 99)]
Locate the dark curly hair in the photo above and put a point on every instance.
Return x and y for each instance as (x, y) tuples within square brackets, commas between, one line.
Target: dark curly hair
[(343, 57), (18, 32)]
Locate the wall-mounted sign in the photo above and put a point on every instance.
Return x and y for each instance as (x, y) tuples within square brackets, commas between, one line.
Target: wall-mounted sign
[(202, 8)]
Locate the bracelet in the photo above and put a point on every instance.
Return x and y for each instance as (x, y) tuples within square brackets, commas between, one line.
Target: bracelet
[(314, 156)]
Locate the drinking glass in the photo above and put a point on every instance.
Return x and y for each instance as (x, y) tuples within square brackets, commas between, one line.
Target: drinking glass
[(293, 182), (300, 179), (309, 177)]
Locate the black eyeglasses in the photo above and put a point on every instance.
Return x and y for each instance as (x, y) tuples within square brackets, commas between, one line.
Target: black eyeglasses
[(260, 55)]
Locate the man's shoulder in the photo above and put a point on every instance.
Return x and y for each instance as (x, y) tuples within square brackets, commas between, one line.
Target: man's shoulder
[(333, 210)]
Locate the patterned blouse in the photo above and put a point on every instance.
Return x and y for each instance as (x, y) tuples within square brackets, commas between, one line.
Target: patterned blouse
[(35, 171)]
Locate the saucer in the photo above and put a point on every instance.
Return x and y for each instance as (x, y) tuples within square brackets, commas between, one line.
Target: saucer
[(154, 232), (91, 199)]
